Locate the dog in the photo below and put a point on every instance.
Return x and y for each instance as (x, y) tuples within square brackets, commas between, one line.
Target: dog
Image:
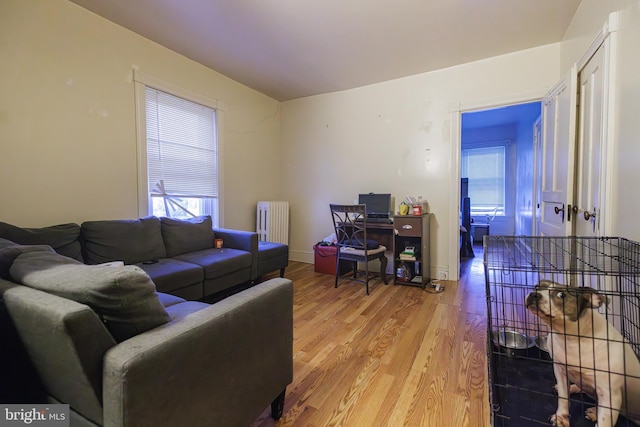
[(589, 354)]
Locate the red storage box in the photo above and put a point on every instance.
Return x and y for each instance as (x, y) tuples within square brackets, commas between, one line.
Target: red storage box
[(325, 260)]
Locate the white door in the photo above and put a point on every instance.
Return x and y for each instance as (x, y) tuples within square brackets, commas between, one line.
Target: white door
[(558, 158), (591, 124), (537, 163)]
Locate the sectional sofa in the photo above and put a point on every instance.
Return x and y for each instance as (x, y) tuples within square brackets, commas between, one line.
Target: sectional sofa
[(178, 255), (85, 322)]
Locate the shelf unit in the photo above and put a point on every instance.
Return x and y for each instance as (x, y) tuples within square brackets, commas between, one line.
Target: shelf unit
[(412, 230)]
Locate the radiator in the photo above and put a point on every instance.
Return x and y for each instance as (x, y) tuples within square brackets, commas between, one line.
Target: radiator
[(272, 222)]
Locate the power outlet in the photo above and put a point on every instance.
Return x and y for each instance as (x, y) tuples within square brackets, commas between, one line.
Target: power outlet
[(443, 274)]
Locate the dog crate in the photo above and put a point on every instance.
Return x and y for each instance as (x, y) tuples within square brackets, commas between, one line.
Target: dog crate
[(521, 373)]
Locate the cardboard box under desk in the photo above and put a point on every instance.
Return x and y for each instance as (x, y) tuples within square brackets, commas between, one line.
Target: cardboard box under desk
[(325, 260)]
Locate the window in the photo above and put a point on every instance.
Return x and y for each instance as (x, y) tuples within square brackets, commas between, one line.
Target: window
[(178, 150), (485, 168)]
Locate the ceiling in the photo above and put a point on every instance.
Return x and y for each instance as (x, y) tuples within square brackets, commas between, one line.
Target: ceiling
[(288, 49)]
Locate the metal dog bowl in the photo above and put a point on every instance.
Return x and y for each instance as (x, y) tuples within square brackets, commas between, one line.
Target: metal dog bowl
[(541, 342), (512, 343)]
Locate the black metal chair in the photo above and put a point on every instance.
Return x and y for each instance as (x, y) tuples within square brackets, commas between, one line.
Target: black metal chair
[(350, 224)]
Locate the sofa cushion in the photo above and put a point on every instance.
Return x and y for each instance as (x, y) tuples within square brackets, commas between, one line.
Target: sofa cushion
[(124, 297), (4, 243), (187, 235), (170, 274), (63, 238), (272, 256), (269, 250), (9, 251), (167, 300), (219, 262), (130, 241), (178, 312)]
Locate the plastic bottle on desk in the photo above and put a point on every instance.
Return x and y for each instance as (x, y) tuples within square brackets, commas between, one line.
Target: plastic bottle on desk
[(417, 208)]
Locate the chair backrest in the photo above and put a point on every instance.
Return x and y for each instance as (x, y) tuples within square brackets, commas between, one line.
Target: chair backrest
[(350, 224)]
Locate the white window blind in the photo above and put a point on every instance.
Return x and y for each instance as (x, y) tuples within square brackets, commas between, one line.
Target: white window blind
[(485, 168), (181, 147)]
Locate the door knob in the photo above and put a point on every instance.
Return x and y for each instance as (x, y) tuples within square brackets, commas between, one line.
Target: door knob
[(588, 215), (559, 211)]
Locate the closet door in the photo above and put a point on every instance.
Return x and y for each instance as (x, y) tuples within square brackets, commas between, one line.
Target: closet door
[(574, 178), (592, 123), (558, 157)]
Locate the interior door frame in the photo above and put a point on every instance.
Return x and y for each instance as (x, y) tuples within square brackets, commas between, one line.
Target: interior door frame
[(455, 147)]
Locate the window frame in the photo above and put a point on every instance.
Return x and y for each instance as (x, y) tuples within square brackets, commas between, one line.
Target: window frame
[(141, 81), (509, 161)]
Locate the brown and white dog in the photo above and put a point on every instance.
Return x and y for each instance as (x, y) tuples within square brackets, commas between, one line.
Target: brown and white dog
[(589, 354)]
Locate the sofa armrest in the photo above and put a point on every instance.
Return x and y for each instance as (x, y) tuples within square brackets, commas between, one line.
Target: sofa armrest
[(224, 363), (238, 239), (244, 240)]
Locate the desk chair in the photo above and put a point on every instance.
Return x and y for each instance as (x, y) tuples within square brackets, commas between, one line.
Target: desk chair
[(350, 224)]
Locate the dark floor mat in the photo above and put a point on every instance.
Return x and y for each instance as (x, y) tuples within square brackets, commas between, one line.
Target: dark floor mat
[(523, 394)]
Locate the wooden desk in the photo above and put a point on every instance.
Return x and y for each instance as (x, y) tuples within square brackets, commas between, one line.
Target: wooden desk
[(412, 230), (382, 232)]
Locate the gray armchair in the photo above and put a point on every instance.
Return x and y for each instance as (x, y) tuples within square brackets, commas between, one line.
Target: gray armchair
[(211, 365)]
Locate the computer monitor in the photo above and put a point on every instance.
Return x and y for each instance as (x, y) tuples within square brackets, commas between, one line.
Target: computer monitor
[(378, 205)]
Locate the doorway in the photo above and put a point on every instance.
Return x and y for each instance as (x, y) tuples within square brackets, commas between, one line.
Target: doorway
[(497, 157)]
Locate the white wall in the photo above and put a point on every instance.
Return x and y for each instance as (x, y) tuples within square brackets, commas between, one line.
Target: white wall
[(393, 137), (67, 119), (588, 21)]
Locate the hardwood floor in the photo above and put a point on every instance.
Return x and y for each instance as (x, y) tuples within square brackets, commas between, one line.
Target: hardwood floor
[(399, 357)]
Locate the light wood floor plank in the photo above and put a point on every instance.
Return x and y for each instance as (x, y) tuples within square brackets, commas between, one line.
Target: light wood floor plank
[(401, 356)]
